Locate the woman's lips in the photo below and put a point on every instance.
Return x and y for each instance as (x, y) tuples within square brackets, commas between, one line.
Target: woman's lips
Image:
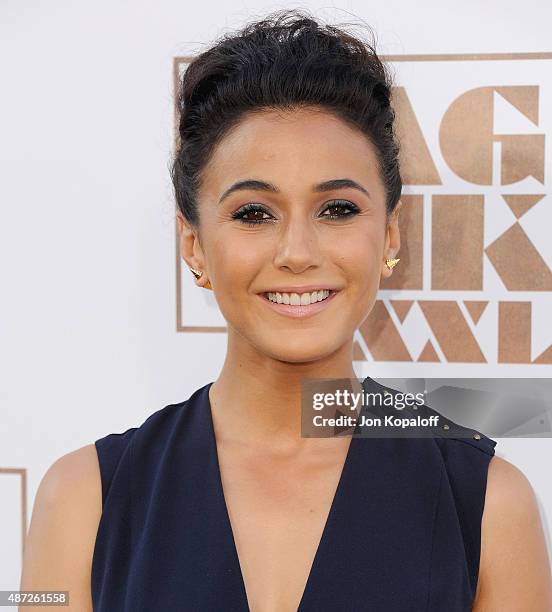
[(300, 310)]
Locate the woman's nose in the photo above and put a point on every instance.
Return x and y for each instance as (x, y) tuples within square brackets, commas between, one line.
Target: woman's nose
[(298, 247)]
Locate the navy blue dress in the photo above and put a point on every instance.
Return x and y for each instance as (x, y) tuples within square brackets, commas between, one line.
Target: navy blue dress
[(403, 533)]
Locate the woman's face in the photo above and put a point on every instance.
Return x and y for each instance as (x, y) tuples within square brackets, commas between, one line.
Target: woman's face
[(286, 232)]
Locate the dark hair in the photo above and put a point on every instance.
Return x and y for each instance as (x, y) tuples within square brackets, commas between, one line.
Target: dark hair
[(285, 61)]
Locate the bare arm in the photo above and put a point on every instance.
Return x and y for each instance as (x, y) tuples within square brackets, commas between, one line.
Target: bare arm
[(514, 571), (64, 523)]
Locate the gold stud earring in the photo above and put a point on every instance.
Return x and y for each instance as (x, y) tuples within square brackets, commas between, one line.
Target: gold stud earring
[(199, 274), (391, 263)]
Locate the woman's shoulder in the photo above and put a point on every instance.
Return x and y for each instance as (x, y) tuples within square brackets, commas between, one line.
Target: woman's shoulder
[(70, 499), (71, 484), (497, 504), (511, 506), (66, 512), (73, 478), (515, 566)]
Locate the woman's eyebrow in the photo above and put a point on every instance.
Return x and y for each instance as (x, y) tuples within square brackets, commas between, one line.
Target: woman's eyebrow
[(256, 185)]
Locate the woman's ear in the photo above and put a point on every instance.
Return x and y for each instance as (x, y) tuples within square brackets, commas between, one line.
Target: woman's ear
[(392, 240), (190, 248)]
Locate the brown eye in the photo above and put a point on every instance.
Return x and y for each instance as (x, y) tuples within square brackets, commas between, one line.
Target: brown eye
[(252, 214), (340, 209)]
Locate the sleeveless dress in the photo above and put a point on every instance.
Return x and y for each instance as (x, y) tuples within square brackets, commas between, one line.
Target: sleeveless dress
[(402, 535)]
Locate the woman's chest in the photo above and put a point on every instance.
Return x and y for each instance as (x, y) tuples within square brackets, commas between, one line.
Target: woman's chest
[(387, 538), (278, 511)]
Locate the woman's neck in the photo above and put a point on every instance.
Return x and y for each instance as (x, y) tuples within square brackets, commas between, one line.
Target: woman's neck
[(256, 399)]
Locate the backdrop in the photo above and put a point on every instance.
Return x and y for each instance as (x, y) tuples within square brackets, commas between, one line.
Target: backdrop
[(101, 325)]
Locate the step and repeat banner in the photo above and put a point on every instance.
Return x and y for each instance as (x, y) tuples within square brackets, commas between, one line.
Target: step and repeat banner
[(471, 297)]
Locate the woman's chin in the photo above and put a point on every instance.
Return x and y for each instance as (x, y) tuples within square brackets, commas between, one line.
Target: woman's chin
[(300, 349)]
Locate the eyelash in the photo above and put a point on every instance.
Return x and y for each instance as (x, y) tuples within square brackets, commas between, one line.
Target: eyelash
[(247, 208)]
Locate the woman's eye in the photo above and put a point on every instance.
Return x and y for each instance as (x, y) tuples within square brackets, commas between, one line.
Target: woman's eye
[(254, 214), (251, 214), (339, 205)]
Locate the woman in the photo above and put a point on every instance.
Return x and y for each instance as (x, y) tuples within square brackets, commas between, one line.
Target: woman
[(287, 183)]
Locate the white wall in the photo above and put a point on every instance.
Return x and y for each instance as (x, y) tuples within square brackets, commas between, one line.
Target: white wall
[(88, 340)]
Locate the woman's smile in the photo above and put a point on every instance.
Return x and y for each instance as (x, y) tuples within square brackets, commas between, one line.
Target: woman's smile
[(299, 304)]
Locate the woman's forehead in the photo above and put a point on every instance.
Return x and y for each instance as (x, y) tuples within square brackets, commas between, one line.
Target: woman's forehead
[(300, 147)]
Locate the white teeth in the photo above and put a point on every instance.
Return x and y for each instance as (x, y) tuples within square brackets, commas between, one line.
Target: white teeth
[(298, 300)]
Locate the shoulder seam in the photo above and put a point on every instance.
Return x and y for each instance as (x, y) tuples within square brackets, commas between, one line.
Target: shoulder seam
[(484, 445)]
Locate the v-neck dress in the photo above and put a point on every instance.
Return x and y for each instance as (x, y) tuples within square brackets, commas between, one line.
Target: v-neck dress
[(402, 535)]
